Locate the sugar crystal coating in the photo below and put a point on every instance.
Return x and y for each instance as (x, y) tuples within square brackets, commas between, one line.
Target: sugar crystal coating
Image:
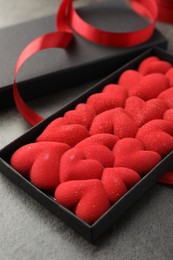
[(167, 97), (150, 86), (40, 162), (117, 181), (169, 75), (88, 198), (153, 65), (85, 163), (83, 114), (142, 112), (130, 153), (157, 135), (69, 134), (129, 78)]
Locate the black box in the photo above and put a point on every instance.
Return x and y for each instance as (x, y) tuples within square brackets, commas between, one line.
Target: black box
[(83, 58), (89, 232)]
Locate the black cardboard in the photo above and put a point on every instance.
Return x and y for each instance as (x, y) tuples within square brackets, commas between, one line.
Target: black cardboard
[(82, 57), (89, 232)]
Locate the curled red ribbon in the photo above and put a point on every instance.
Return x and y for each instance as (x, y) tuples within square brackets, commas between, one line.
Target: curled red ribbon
[(165, 10), (68, 19)]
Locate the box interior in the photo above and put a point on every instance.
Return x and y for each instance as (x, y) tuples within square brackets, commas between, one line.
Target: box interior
[(89, 232)]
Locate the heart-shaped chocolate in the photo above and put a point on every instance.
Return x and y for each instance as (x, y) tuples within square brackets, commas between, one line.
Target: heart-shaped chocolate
[(83, 114), (117, 181), (157, 135), (167, 97), (59, 131), (168, 115), (153, 65), (115, 121), (101, 102), (169, 75), (88, 199), (85, 163), (129, 78), (150, 86), (40, 162), (118, 92), (104, 139), (130, 153), (142, 112)]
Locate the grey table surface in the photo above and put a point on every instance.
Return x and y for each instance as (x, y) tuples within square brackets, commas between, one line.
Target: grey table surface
[(29, 231)]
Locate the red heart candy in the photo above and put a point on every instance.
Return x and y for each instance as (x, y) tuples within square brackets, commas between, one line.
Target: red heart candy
[(117, 181), (69, 134), (104, 139), (142, 111), (101, 102), (118, 92), (167, 97), (168, 115), (40, 162), (87, 199), (150, 86), (156, 135), (169, 75), (115, 121), (154, 65), (129, 78), (85, 163), (103, 123), (123, 124), (130, 153), (83, 114)]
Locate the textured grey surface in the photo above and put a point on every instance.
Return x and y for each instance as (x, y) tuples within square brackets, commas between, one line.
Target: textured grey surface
[(29, 231)]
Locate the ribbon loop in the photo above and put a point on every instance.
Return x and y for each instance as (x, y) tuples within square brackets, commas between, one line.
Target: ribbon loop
[(68, 19)]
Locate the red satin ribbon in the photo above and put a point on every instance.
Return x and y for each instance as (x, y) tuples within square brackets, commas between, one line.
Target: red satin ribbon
[(165, 10), (68, 19)]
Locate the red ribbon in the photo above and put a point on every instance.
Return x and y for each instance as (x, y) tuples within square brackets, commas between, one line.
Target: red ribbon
[(68, 21), (165, 10)]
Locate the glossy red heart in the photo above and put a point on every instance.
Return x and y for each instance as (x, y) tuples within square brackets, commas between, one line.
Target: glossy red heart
[(142, 112), (59, 131), (153, 65), (88, 199), (130, 153), (40, 162), (115, 121), (117, 181), (83, 114), (85, 163), (156, 135)]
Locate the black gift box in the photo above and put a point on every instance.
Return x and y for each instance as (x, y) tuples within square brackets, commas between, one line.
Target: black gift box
[(89, 232), (83, 58)]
